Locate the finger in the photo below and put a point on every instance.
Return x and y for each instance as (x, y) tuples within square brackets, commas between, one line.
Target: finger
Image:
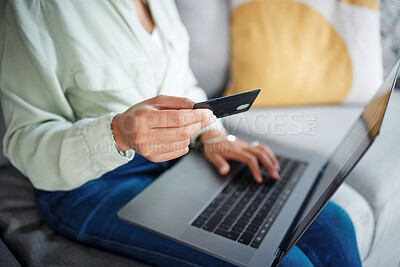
[(270, 154), (176, 146), (171, 102), (179, 118), (265, 161), (219, 162), (173, 134), (168, 156), (147, 149), (249, 159)]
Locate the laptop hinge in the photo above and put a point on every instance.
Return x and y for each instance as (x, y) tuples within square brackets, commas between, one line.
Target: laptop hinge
[(277, 255), (277, 252)]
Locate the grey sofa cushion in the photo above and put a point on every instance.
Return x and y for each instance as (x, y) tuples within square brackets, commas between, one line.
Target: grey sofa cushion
[(361, 215), (31, 240), (376, 178), (6, 257), (207, 22)]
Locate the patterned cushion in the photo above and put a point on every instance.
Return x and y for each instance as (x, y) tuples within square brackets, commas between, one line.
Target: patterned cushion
[(303, 52), (390, 30)]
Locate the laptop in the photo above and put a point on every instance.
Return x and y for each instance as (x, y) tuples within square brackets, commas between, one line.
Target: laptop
[(245, 223)]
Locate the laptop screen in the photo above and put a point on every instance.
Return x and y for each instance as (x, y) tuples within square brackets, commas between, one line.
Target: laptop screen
[(346, 156)]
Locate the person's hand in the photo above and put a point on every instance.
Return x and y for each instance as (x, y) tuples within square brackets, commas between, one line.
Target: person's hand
[(218, 149), (160, 128)]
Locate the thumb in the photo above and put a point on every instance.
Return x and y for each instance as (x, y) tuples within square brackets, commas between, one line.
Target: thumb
[(220, 163), (172, 102)]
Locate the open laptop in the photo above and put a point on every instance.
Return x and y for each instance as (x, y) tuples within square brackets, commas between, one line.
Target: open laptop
[(245, 223)]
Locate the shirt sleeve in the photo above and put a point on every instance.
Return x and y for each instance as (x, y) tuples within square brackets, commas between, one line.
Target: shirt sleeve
[(43, 140)]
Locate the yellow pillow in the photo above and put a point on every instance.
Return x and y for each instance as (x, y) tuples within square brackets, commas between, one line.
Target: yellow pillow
[(306, 51)]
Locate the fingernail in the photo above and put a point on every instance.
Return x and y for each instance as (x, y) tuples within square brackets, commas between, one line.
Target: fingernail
[(276, 174)]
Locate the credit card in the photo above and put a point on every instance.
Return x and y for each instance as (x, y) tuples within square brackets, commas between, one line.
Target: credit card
[(229, 105)]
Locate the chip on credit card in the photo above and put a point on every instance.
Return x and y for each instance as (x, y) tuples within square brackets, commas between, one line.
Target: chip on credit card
[(229, 105)]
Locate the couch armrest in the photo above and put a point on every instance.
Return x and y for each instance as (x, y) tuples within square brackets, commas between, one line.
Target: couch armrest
[(6, 257), (376, 176)]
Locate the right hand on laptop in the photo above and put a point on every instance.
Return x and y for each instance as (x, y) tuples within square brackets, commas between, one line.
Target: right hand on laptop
[(218, 149), (160, 128)]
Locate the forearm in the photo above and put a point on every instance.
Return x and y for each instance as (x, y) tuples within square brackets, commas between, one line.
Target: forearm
[(59, 155)]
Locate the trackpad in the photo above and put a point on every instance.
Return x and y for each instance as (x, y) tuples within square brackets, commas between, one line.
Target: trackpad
[(192, 177)]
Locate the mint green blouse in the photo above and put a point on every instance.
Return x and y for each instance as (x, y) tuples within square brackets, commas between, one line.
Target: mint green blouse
[(67, 66)]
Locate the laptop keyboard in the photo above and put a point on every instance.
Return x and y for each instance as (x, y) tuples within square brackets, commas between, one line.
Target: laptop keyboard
[(244, 210)]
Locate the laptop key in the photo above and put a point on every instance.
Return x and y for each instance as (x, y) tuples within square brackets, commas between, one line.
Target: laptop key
[(231, 235), (229, 219), (212, 224), (256, 243), (238, 228), (253, 207), (252, 229), (257, 221), (253, 188), (205, 216), (260, 236), (198, 223), (224, 226), (246, 238)]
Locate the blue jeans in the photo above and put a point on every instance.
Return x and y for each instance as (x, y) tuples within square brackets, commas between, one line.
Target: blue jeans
[(88, 215)]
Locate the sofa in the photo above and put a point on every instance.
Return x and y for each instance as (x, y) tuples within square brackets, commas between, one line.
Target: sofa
[(370, 195)]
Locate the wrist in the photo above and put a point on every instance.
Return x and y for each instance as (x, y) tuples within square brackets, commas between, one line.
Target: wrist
[(211, 134), (215, 136), (116, 133)]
